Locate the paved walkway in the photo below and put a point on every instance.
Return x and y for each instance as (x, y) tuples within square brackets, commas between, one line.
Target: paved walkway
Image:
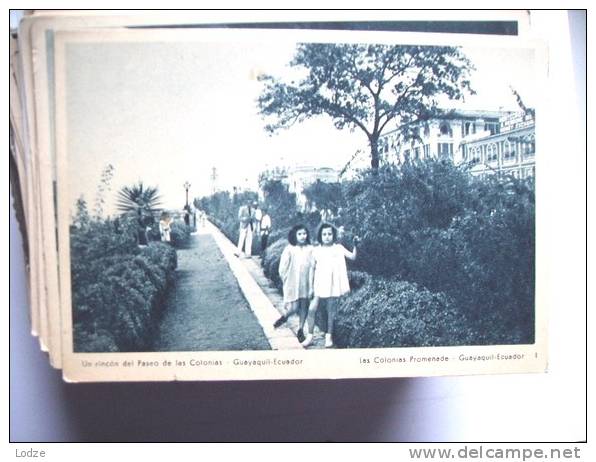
[(224, 303), (206, 310), (263, 299), (255, 269)]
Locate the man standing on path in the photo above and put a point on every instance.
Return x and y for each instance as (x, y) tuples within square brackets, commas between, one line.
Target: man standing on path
[(246, 218)]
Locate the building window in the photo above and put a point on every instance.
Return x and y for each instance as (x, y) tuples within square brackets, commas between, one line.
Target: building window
[(477, 155), (491, 153), (426, 151), (474, 156), (508, 151), (445, 149), (407, 154), (445, 129), (492, 127), (416, 153), (528, 147)]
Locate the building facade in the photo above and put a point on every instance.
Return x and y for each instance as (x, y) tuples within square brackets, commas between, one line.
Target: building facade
[(511, 151), (440, 138), (488, 141)]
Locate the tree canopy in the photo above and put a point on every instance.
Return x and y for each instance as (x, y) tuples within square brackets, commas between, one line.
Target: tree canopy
[(372, 88), (324, 195)]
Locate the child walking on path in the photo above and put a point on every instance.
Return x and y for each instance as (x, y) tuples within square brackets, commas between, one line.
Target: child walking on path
[(329, 274), (295, 272)]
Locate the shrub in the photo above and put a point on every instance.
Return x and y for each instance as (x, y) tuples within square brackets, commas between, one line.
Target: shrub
[(324, 196), (180, 234), (270, 261), (385, 208), (500, 270), (164, 257), (101, 341), (279, 234), (280, 203), (117, 287), (391, 313)]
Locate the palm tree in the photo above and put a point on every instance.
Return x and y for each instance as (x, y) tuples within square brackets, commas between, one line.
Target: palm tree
[(138, 198)]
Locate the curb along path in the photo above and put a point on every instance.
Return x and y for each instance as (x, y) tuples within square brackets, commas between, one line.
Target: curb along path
[(256, 271), (252, 282)]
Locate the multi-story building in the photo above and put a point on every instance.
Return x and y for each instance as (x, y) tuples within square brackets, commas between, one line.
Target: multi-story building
[(488, 141), (440, 137), (512, 150)]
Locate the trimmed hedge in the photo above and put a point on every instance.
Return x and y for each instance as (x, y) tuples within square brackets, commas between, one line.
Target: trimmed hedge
[(116, 306), (180, 234), (381, 313)]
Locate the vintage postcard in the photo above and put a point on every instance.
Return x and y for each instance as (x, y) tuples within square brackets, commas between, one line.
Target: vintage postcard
[(36, 37), (250, 204)]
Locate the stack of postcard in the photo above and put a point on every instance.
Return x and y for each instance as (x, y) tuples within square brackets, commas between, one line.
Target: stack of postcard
[(219, 195)]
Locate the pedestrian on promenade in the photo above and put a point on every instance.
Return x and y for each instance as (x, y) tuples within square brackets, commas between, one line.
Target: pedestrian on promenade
[(258, 216), (295, 272), (329, 275), (187, 216), (265, 227), (246, 219), (165, 226)]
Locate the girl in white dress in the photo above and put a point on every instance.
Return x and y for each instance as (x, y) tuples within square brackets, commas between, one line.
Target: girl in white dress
[(330, 279), (294, 270)]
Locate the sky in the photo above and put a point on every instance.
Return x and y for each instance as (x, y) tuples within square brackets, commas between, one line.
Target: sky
[(169, 112)]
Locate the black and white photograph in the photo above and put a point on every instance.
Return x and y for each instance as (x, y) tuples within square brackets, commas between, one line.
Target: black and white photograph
[(234, 193)]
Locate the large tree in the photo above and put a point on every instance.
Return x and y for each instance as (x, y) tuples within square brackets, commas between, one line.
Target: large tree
[(368, 87)]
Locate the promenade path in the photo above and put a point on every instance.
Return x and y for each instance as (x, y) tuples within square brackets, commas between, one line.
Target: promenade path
[(220, 302), (205, 309), (255, 269)]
